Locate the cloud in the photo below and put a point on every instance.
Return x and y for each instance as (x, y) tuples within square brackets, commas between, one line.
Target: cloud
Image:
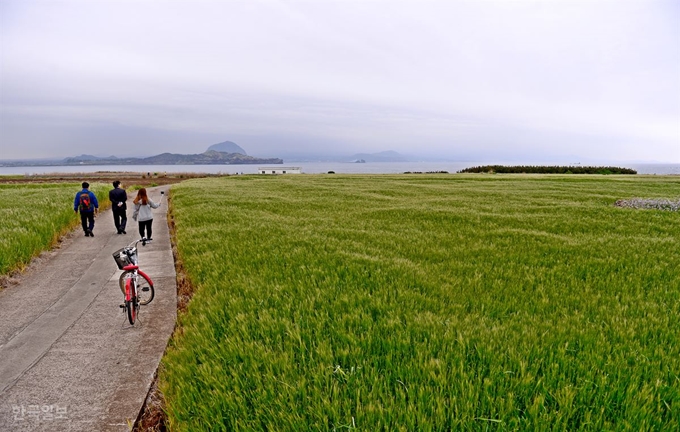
[(436, 77)]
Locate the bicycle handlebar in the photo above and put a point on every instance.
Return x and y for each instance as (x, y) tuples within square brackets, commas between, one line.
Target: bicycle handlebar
[(144, 241)]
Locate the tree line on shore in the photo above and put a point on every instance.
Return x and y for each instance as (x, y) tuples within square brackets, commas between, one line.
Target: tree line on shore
[(529, 169)]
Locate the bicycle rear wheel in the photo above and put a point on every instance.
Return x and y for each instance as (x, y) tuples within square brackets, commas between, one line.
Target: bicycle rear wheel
[(131, 305), (145, 291)]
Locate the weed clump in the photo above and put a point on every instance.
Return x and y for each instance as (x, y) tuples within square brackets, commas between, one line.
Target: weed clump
[(649, 203)]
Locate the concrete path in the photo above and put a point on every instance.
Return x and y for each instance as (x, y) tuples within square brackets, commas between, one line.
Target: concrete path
[(69, 359)]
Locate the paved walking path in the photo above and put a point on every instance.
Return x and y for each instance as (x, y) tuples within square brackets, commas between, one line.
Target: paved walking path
[(69, 359)]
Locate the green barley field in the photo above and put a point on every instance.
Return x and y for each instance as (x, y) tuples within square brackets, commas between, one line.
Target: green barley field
[(34, 216), (426, 303)]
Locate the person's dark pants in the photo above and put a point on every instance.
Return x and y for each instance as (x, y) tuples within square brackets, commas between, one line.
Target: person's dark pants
[(145, 225), (119, 219), (87, 220)]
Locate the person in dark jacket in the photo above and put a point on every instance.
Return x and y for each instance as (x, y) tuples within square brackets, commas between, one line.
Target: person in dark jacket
[(118, 198), (86, 203)]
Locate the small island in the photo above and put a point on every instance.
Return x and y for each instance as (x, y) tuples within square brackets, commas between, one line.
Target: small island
[(224, 153), (210, 157)]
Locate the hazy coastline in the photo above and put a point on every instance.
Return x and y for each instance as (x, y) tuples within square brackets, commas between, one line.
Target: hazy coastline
[(307, 168)]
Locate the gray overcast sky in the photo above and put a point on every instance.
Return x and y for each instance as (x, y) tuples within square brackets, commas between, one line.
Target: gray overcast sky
[(488, 80)]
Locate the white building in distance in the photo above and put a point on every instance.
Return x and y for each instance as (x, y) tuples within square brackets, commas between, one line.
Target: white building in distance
[(279, 170)]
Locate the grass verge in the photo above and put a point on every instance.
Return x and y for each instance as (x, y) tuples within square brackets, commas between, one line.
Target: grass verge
[(432, 303), (33, 217)]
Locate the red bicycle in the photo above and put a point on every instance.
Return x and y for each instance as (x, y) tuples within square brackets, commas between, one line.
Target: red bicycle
[(137, 286)]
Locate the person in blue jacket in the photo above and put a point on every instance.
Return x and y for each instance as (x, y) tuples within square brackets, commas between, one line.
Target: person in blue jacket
[(86, 203)]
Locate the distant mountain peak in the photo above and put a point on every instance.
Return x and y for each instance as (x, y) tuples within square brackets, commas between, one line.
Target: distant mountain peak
[(227, 147), (86, 158), (384, 156)]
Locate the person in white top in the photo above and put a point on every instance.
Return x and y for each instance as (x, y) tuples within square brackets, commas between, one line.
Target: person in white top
[(142, 214)]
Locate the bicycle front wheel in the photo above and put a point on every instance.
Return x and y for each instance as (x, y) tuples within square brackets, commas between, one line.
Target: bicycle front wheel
[(145, 290)]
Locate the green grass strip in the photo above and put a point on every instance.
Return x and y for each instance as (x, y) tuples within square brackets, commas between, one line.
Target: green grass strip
[(429, 303), (34, 216)]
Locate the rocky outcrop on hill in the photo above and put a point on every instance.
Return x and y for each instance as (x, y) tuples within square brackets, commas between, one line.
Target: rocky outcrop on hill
[(227, 147)]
